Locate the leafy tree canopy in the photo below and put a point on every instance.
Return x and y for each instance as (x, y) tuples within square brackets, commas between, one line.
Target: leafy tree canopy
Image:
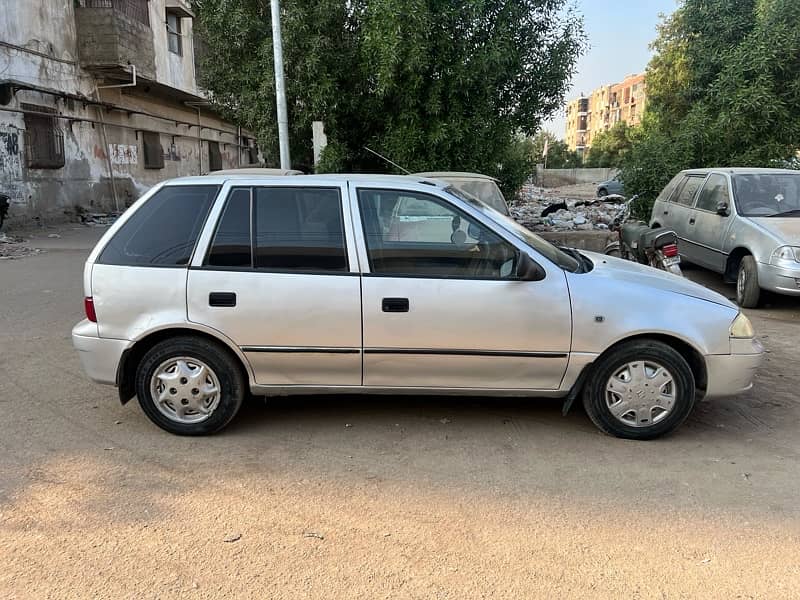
[(432, 84), (609, 147)]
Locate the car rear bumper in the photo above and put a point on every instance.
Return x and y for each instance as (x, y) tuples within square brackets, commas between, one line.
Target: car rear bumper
[(99, 356), (779, 279), (732, 374)]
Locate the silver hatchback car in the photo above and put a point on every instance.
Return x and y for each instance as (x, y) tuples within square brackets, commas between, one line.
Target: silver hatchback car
[(211, 287), (743, 223)]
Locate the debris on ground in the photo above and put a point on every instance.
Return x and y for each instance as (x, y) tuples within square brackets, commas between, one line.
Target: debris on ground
[(98, 219), (539, 209), (12, 247), (234, 537), (313, 534)]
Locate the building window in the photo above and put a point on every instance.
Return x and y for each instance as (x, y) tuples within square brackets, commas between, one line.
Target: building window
[(153, 154), (214, 157), (174, 38), (44, 142)]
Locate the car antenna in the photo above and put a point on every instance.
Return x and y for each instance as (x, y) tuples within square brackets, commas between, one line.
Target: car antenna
[(394, 164)]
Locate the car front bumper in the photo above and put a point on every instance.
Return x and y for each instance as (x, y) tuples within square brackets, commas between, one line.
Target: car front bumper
[(779, 279), (99, 356), (731, 374)]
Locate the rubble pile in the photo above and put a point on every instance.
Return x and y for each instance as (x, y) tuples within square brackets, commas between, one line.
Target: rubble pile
[(14, 247), (539, 210)]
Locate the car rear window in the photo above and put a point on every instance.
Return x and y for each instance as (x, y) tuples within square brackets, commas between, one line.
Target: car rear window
[(687, 193), (164, 230)]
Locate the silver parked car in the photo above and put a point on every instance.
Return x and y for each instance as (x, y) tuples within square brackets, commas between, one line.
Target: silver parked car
[(210, 287), (483, 187), (743, 223)]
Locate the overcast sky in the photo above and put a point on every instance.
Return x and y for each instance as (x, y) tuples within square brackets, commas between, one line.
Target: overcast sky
[(619, 33)]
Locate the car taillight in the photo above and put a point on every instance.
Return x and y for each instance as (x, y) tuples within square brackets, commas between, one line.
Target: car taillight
[(88, 307), (670, 250)]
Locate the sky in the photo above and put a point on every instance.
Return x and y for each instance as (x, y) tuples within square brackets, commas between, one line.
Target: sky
[(618, 33)]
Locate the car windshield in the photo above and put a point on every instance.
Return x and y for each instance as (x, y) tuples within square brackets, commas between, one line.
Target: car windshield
[(767, 194), (548, 250), (484, 190)]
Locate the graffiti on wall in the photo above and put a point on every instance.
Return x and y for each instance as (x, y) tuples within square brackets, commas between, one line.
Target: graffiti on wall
[(10, 161), (123, 154)]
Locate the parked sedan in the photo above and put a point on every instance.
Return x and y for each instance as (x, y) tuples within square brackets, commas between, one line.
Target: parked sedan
[(210, 287), (611, 186), (743, 223)]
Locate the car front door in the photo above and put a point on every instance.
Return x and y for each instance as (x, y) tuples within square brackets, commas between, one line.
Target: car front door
[(680, 213), (441, 305), (707, 228), (277, 274)]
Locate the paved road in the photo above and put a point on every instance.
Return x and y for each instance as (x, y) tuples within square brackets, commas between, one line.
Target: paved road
[(379, 497)]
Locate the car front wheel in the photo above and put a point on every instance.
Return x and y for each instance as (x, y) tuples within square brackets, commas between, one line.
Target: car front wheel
[(748, 292), (640, 390), (188, 386)]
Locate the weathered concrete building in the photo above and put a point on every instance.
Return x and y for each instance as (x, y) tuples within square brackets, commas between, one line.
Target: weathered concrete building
[(602, 109), (99, 101)]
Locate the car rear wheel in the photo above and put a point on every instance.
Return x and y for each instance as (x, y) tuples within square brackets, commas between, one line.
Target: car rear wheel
[(602, 193), (188, 386), (640, 390), (748, 292)]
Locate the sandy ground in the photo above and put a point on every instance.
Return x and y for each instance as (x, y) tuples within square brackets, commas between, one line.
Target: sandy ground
[(417, 498)]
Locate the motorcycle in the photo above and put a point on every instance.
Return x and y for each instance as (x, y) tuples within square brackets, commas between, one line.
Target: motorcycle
[(657, 247)]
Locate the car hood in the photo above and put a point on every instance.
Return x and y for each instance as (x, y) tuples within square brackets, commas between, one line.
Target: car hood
[(628, 272), (786, 228)]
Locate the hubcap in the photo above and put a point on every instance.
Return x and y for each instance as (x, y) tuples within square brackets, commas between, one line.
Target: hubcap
[(185, 390), (641, 393)]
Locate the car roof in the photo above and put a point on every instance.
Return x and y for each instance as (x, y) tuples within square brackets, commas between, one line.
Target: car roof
[(455, 174), (257, 171), (739, 171), (219, 177)]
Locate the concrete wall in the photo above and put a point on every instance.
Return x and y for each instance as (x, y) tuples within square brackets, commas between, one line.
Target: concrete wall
[(108, 37), (559, 177), (172, 69)]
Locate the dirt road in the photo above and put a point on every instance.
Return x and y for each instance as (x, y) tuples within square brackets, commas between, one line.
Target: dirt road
[(379, 497)]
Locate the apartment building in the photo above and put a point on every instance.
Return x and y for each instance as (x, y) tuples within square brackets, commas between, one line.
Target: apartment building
[(609, 104), (98, 102)]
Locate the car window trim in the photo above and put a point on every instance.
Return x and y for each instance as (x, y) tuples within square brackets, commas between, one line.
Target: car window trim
[(705, 183), (458, 209), (223, 198), (697, 191)]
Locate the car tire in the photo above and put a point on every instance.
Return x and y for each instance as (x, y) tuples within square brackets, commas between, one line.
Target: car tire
[(189, 369), (748, 292), (602, 192), (667, 380)]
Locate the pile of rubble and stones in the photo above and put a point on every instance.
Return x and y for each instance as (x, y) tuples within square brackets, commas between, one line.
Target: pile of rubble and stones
[(541, 209), (12, 247)]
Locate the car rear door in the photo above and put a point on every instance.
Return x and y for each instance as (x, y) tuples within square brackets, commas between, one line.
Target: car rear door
[(707, 228), (441, 308), (276, 272), (680, 212)]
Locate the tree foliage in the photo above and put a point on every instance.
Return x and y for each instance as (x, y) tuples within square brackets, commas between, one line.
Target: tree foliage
[(723, 90), (559, 156), (609, 147), (432, 84)]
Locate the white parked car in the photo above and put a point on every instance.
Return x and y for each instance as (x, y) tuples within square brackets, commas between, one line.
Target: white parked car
[(210, 287)]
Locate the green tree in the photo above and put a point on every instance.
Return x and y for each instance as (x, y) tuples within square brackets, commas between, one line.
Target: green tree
[(723, 90), (559, 156), (432, 84), (609, 147)]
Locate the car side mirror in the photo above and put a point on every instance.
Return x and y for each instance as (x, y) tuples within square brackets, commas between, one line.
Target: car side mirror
[(722, 209), (528, 269)]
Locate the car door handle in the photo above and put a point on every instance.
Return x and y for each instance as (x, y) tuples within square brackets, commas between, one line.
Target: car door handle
[(691, 221), (395, 305), (224, 299)]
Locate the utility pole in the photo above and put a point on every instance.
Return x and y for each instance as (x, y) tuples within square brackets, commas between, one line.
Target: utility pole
[(280, 86)]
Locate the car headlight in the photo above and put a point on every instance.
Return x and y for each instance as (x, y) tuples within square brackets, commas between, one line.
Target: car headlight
[(785, 254), (742, 328)]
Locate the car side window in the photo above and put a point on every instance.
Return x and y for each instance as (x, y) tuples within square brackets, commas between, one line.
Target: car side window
[(714, 191), (666, 193), (687, 192), (164, 230), (420, 235), (281, 229)]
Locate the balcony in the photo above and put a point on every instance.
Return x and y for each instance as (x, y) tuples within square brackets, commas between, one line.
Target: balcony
[(113, 34)]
